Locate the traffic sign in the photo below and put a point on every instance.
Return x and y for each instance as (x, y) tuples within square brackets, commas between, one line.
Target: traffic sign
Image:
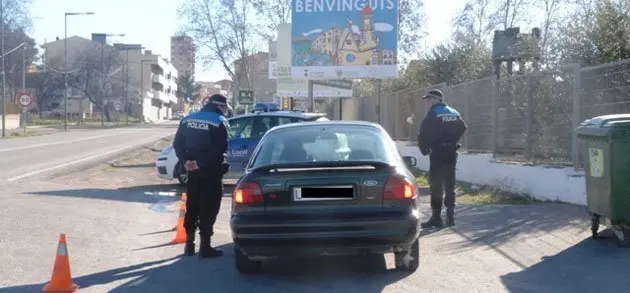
[(25, 100), (246, 97), (118, 106)]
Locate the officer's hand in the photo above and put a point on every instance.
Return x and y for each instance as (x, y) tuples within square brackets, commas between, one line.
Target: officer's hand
[(191, 166), (424, 151)]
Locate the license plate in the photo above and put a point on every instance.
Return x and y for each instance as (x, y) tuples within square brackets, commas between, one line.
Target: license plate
[(315, 193)]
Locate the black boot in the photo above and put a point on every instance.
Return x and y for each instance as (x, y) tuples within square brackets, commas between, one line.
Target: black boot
[(450, 217), (206, 250), (434, 221), (189, 249)]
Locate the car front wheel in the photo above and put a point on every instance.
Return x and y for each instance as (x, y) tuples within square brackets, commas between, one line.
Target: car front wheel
[(181, 174), (408, 261)]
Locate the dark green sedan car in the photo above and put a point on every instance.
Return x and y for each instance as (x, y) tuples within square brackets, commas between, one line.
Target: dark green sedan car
[(325, 188)]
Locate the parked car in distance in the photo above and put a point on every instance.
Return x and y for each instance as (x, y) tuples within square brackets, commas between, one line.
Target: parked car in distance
[(245, 132), (326, 188)]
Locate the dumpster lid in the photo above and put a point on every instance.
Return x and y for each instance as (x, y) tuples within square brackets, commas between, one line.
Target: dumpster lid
[(601, 125)]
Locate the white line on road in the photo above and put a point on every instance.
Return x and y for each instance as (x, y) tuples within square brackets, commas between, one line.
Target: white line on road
[(84, 159), (65, 141)]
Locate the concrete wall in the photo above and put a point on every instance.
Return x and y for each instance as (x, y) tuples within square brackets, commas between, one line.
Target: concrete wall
[(540, 182)]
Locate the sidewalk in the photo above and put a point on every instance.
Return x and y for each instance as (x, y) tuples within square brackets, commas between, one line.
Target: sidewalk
[(548, 244)]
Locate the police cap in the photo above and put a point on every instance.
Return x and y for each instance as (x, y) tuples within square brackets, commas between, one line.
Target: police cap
[(434, 93)]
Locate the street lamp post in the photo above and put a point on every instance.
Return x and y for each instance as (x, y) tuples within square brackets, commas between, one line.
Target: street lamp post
[(4, 98), (104, 75), (65, 64)]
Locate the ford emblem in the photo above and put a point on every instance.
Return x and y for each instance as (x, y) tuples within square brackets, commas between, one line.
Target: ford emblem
[(370, 182)]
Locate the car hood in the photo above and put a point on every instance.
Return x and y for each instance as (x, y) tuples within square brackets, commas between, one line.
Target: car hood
[(166, 151)]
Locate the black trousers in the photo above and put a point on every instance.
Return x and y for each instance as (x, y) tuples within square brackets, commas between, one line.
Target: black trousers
[(203, 201), (442, 179)]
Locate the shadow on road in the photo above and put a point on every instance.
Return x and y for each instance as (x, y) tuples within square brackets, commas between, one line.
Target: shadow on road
[(589, 266), (141, 194), (218, 275), (495, 225)]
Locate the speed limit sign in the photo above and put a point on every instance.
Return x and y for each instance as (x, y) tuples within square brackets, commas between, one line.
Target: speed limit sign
[(25, 100)]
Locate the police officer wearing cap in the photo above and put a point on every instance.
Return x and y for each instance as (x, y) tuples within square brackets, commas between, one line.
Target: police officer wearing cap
[(438, 137), (201, 143)]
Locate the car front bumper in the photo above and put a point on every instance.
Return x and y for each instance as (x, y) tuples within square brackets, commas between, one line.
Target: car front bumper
[(162, 170), (265, 240)]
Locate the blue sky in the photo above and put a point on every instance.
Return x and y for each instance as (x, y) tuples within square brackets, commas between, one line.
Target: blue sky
[(152, 22)]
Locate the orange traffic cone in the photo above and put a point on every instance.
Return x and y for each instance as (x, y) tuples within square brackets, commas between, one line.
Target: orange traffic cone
[(180, 234), (61, 280), (183, 200)]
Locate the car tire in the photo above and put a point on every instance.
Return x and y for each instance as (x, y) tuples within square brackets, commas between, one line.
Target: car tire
[(181, 174), (244, 265), (408, 261)]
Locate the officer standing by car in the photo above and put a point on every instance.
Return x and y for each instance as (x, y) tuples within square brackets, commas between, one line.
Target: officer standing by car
[(201, 143), (438, 137)]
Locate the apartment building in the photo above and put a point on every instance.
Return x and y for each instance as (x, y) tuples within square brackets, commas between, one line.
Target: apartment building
[(258, 69), (183, 54), (183, 58), (155, 80), (139, 82)]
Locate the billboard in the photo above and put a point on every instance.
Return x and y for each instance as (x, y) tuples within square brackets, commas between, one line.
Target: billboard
[(344, 39), (298, 88)]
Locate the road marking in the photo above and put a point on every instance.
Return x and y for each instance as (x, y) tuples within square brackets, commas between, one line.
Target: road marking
[(62, 142), (79, 160)]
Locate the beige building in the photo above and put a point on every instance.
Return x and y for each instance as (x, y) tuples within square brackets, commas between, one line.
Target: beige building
[(183, 55), (155, 79), (258, 67), (183, 58)]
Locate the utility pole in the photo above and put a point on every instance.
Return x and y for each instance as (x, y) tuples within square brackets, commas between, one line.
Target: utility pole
[(4, 98), (104, 74), (65, 64), (127, 91), (25, 110)]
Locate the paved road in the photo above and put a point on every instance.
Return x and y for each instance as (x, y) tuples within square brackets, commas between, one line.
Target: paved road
[(119, 238), (28, 157)]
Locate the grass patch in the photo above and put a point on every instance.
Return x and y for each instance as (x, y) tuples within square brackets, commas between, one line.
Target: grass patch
[(475, 194)]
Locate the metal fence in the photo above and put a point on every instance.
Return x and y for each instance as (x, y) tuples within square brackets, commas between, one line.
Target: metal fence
[(524, 117)]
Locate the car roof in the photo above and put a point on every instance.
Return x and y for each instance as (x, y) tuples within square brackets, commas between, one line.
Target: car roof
[(290, 114), (329, 122)]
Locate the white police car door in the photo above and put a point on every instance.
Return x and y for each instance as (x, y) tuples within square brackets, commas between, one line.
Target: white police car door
[(240, 142)]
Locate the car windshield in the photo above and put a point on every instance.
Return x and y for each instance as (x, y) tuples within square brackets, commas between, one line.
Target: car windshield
[(324, 143)]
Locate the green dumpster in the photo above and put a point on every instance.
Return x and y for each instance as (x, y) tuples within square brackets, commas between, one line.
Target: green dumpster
[(606, 157)]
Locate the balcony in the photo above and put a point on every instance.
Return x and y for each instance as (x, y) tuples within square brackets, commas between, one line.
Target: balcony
[(158, 95), (156, 78)]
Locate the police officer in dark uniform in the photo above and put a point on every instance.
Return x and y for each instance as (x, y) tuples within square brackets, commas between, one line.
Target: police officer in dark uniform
[(438, 137), (201, 142)]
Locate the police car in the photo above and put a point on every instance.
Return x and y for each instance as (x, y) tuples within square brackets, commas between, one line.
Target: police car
[(245, 132)]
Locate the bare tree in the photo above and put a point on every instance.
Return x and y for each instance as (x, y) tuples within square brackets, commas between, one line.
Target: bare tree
[(98, 78), (411, 23), (224, 33), (477, 20), (552, 17), (16, 13), (271, 13), (510, 13)]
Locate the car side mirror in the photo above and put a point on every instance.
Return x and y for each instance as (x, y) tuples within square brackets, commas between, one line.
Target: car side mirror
[(410, 161)]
